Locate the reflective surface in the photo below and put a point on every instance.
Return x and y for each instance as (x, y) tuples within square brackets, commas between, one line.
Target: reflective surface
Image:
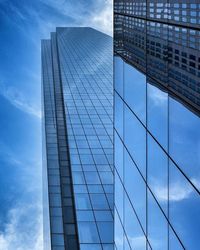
[(86, 73), (78, 100), (157, 138)]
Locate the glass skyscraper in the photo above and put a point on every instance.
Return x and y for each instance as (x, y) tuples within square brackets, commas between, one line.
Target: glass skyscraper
[(78, 140), (157, 124)]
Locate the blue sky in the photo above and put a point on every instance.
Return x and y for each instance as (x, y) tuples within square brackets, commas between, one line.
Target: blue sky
[(23, 23)]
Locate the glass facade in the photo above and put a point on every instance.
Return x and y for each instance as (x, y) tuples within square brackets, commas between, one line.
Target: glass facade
[(156, 124), (78, 129)]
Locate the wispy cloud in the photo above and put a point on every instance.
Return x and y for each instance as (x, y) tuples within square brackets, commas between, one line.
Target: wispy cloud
[(20, 232), (19, 100), (178, 192), (157, 96)]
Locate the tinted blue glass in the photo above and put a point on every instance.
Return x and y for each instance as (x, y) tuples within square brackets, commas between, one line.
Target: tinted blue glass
[(88, 232), (158, 172), (157, 116), (57, 225), (119, 196), (135, 142), (184, 209), (105, 231), (92, 178), (157, 226), (118, 115), (184, 140), (90, 247), (85, 215), (118, 155), (83, 201), (99, 201), (119, 234), (133, 230), (103, 215), (135, 91), (118, 74), (174, 243), (136, 188)]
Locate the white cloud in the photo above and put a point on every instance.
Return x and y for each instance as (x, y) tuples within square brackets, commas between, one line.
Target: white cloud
[(20, 232), (99, 17), (19, 100), (103, 20), (178, 192), (138, 242), (157, 96)]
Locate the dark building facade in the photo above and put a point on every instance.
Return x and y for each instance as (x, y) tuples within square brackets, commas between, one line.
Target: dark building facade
[(156, 120), (78, 140)]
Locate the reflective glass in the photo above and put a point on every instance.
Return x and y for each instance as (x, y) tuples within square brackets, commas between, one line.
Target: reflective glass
[(118, 155), (99, 201), (133, 230), (136, 189), (158, 173), (157, 116), (82, 201), (106, 231), (118, 115), (135, 142), (88, 232), (157, 226), (135, 91), (184, 140), (184, 209), (119, 234), (118, 74)]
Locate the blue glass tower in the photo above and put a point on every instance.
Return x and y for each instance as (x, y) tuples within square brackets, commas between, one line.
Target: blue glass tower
[(157, 136), (78, 140)]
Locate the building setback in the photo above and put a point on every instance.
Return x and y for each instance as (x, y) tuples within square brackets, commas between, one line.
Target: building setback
[(78, 140), (156, 124)]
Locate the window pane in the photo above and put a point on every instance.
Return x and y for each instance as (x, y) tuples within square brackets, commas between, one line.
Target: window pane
[(88, 232), (157, 226), (184, 140), (157, 108), (184, 208), (133, 230), (135, 142), (135, 91), (158, 173), (118, 73), (136, 188)]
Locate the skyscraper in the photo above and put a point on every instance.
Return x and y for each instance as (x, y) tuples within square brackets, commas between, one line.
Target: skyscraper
[(157, 136), (78, 140)]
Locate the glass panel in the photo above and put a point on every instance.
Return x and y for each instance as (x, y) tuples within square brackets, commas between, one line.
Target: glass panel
[(133, 230), (184, 209), (135, 140), (99, 201), (82, 201), (118, 154), (136, 188), (118, 116), (106, 231), (157, 108), (174, 243), (119, 196), (119, 234), (157, 226), (184, 140), (158, 173), (135, 91), (88, 232), (118, 74)]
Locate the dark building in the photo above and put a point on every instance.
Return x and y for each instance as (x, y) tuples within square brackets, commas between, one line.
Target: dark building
[(78, 140), (156, 120)]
